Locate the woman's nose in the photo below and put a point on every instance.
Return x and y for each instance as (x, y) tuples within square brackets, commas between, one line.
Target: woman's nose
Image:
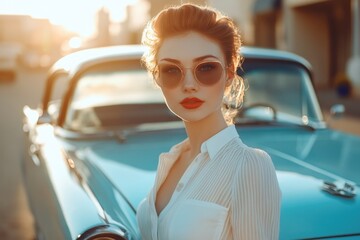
[(189, 81)]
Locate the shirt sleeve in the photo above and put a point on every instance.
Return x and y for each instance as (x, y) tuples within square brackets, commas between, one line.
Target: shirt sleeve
[(256, 198)]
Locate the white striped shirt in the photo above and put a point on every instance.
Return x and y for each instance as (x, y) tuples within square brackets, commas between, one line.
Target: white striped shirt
[(229, 191)]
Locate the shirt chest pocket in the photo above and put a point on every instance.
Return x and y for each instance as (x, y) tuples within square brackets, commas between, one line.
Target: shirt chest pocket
[(194, 219)]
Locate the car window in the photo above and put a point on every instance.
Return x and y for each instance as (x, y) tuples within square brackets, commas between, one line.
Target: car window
[(311, 105), (283, 86), (280, 88), (60, 85)]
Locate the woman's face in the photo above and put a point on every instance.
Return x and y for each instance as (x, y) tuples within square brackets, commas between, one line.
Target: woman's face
[(190, 99)]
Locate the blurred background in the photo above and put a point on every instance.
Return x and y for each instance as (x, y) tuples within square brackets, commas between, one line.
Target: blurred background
[(326, 32), (36, 33)]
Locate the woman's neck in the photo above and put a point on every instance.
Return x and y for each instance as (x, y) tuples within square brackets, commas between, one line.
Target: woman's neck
[(200, 131)]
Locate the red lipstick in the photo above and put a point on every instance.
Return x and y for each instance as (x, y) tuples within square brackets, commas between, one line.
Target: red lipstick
[(191, 103)]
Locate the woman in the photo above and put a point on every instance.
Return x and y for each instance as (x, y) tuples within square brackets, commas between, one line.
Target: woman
[(211, 185)]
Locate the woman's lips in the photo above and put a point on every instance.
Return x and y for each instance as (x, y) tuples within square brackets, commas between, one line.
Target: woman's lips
[(191, 103)]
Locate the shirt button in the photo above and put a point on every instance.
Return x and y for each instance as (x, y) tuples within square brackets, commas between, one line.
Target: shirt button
[(179, 187)]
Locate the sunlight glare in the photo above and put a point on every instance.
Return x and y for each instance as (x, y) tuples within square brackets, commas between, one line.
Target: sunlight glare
[(77, 16), (75, 42)]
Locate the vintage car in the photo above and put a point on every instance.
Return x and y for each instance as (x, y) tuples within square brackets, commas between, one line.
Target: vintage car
[(92, 146)]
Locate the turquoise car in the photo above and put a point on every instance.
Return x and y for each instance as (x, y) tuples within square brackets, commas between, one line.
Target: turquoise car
[(92, 146)]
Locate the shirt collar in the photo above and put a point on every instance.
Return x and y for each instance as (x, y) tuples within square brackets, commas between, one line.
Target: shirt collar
[(216, 142)]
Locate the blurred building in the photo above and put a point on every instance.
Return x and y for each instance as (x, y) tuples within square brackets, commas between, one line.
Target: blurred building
[(138, 15), (38, 39), (319, 30), (103, 27), (12, 28)]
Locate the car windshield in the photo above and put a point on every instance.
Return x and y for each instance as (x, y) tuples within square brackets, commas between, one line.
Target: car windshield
[(113, 95), (118, 87), (123, 94)]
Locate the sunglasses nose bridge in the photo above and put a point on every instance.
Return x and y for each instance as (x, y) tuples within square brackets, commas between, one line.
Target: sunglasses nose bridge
[(189, 77)]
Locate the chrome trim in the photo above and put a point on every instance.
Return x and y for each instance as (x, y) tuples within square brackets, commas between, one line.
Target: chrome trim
[(120, 133), (337, 110), (340, 188), (107, 230)]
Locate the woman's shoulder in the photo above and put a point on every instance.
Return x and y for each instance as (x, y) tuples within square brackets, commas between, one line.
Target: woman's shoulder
[(244, 156), (238, 147), (254, 167)]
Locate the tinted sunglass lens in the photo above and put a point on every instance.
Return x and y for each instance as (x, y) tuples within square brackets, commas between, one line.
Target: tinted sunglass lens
[(169, 75), (209, 73)]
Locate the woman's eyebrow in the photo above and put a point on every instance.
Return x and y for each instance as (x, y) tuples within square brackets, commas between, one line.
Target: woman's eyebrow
[(198, 59), (204, 57), (170, 60)]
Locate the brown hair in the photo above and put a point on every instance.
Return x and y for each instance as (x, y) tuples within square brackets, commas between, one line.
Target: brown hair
[(204, 20)]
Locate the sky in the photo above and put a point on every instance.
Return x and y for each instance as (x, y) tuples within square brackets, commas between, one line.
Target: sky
[(75, 15)]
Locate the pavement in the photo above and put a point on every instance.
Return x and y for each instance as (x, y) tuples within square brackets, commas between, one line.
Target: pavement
[(16, 222)]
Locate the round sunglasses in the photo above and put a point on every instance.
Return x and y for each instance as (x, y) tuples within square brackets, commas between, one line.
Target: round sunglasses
[(170, 75)]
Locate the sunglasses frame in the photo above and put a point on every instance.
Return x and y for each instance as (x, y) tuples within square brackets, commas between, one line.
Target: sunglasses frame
[(183, 69)]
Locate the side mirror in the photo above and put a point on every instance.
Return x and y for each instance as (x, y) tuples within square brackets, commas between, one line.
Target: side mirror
[(31, 118), (337, 111)]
